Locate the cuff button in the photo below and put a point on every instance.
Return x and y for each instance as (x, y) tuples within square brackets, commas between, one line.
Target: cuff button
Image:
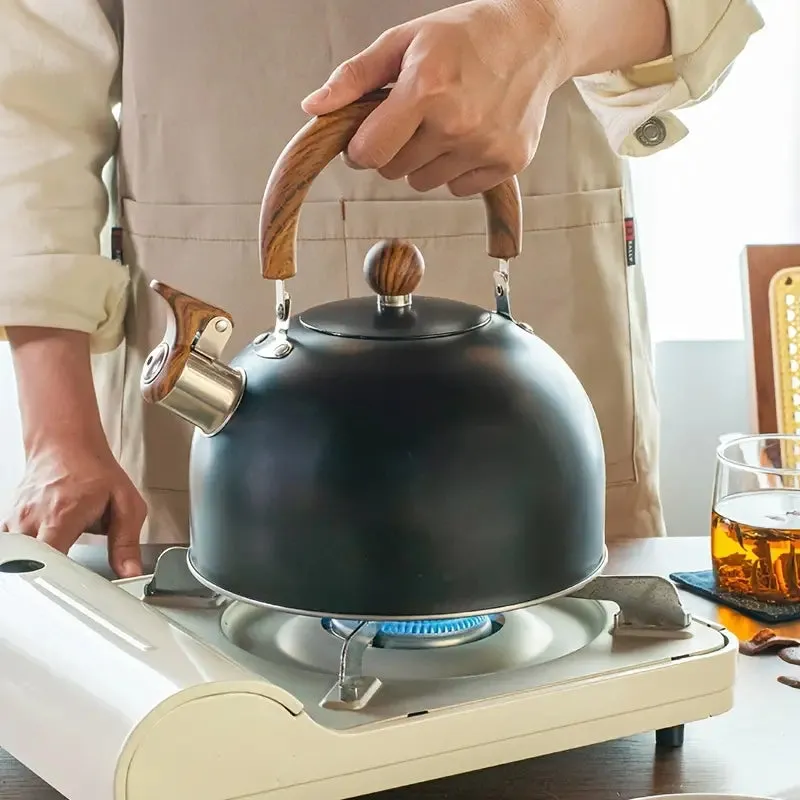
[(651, 133)]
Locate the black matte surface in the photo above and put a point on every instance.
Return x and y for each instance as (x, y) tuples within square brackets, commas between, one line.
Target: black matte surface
[(670, 737), (20, 565), (402, 478), (426, 317)]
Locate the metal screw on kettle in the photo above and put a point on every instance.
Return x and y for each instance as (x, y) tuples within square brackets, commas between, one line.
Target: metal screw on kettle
[(154, 362)]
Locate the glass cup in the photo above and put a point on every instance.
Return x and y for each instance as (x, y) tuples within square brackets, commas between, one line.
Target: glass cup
[(755, 517)]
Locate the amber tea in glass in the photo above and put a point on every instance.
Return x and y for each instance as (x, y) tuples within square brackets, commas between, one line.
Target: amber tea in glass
[(755, 518)]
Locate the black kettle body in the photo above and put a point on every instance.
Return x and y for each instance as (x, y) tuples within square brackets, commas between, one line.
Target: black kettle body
[(384, 457)]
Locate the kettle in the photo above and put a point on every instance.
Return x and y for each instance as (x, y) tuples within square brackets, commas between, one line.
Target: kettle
[(390, 457)]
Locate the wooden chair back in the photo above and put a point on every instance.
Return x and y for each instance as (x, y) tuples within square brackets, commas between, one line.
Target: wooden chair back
[(771, 295)]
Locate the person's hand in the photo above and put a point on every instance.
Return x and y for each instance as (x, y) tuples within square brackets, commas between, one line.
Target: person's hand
[(472, 83), (72, 480), (69, 486)]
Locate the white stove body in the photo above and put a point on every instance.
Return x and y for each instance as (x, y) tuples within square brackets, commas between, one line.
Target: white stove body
[(107, 697)]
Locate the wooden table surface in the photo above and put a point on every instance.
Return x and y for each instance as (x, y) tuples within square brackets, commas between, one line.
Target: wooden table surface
[(753, 749)]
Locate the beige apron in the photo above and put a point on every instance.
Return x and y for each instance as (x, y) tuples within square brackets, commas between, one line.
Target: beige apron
[(210, 96)]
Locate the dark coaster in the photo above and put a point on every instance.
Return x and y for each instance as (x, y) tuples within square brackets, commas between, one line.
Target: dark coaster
[(703, 584)]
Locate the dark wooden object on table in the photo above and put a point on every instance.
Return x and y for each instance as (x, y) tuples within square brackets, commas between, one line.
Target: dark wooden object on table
[(750, 750), (314, 146), (759, 264)]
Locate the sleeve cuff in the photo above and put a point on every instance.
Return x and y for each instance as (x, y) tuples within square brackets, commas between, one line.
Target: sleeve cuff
[(81, 293), (635, 106)]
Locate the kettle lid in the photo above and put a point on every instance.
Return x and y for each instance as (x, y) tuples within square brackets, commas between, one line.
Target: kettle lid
[(393, 270)]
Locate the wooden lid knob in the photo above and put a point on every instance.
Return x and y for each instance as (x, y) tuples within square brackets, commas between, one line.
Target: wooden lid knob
[(394, 268)]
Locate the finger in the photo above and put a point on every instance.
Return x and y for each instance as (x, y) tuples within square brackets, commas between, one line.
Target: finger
[(440, 171), (26, 524), (61, 536), (371, 69), (476, 181), (419, 152), (386, 130), (124, 528)]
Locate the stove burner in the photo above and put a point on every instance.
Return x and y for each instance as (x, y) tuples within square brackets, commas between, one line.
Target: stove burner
[(421, 633)]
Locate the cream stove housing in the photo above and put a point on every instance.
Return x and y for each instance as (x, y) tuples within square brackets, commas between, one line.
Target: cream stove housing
[(156, 688)]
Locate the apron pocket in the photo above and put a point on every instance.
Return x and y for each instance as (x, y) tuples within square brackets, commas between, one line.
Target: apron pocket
[(210, 252), (570, 284)]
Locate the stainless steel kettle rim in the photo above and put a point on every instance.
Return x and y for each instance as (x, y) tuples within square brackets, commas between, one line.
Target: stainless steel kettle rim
[(198, 575)]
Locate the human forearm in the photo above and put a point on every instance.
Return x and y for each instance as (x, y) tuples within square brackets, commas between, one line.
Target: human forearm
[(58, 82), (72, 483), (603, 35), (54, 385)]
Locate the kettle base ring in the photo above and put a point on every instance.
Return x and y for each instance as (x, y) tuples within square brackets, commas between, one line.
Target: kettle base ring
[(198, 575)]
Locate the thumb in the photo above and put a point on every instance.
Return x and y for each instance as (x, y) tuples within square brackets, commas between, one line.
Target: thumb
[(371, 69), (124, 529)]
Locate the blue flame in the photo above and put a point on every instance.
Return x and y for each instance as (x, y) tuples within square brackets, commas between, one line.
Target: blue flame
[(432, 627)]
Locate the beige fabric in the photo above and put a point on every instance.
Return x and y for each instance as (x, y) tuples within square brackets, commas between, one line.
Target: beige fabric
[(210, 95), (705, 36)]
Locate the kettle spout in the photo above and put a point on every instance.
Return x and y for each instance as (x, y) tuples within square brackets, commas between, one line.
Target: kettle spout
[(184, 372)]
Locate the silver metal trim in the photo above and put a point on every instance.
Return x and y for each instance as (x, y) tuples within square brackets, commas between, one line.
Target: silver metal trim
[(173, 585), (207, 393), (353, 690), (272, 346), (233, 409), (276, 344), (465, 613), (651, 132), (647, 604), (212, 339), (502, 289), (394, 301)]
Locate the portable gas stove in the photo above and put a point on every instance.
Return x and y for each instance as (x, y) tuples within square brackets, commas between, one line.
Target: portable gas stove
[(158, 688)]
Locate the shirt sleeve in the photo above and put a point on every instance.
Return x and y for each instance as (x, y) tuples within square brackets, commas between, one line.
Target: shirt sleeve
[(58, 82), (635, 106)]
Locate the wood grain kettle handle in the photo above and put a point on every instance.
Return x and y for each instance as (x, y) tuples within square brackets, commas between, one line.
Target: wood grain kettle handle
[(314, 146), (187, 318)]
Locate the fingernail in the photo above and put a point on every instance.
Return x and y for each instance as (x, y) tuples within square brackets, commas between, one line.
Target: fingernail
[(130, 569), (349, 161), (318, 94)]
